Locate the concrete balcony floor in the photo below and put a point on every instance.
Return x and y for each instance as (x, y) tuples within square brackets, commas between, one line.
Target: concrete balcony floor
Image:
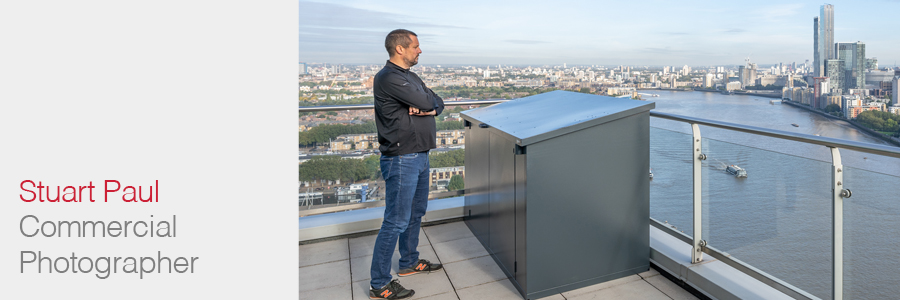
[(339, 269)]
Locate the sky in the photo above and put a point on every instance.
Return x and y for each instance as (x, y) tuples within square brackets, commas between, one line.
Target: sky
[(654, 33)]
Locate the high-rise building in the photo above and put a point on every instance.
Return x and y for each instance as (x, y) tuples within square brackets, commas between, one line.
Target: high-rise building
[(743, 75), (854, 57), (871, 63), (823, 39), (817, 61), (303, 70), (747, 75), (896, 91), (826, 37), (835, 70)]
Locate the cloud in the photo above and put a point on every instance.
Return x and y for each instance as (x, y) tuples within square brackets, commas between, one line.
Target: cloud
[(526, 42), (327, 15), (739, 30), (666, 50)]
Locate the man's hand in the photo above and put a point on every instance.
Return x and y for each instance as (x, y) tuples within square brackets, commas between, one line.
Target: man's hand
[(416, 112)]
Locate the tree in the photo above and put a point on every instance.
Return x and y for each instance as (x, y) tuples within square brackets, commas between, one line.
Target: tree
[(373, 166), (449, 125), (323, 133), (333, 168), (832, 108), (452, 158), (456, 183), (880, 121)]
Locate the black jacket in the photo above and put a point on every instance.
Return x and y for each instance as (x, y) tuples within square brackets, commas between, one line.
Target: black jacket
[(396, 89)]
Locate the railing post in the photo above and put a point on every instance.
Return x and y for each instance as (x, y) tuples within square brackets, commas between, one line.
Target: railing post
[(699, 243), (837, 211)]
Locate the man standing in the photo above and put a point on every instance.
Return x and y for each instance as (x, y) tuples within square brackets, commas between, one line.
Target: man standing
[(404, 115)]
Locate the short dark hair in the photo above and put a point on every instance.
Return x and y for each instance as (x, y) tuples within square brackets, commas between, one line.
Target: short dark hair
[(397, 37)]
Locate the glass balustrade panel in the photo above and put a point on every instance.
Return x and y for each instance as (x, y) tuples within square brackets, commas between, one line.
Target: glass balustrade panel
[(339, 158), (671, 187), (871, 226), (769, 209)]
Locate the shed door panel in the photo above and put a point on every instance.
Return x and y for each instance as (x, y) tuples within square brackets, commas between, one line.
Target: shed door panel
[(503, 200)]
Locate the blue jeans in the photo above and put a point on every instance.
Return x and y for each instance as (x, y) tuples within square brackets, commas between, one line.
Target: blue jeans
[(406, 198)]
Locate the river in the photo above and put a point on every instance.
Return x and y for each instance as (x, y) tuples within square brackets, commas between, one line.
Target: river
[(779, 218)]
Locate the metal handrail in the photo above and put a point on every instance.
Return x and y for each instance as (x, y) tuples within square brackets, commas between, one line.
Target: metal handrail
[(370, 204), (372, 106), (811, 139)]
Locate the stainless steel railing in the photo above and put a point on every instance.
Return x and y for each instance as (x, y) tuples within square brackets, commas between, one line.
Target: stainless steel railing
[(372, 106)]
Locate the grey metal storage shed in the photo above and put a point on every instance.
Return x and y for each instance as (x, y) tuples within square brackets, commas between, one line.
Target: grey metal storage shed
[(557, 188)]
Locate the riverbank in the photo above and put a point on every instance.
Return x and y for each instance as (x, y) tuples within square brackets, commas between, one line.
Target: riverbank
[(891, 140), (767, 95)]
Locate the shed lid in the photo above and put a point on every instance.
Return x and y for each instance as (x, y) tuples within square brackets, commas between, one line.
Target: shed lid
[(544, 116)]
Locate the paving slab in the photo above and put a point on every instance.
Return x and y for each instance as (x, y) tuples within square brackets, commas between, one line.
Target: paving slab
[(461, 249), (364, 245), (652, 272), (670, 288), (324, 252), (475, 271), (497, 290), (361, 267), (324, 275), (554, 297), (444, 296), (448, 232), (603, 285), (425, 285), (339, 269), (333, 293), (638, 289)]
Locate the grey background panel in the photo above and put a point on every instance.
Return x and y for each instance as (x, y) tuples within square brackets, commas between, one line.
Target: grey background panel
[(595, 203)]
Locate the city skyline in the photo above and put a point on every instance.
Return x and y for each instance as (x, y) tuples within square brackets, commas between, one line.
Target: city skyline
[(693, 33)]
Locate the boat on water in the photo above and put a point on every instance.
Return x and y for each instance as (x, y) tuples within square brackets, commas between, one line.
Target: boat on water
[(773, 101), (736, 171), (795, 125)]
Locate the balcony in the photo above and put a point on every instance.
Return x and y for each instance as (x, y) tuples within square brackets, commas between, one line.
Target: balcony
[(469, 272), (779, 233)]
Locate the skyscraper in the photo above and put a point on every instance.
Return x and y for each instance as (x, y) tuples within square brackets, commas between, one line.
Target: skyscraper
[(817, 61), (827, 29), (854, 57), (823, 38)]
